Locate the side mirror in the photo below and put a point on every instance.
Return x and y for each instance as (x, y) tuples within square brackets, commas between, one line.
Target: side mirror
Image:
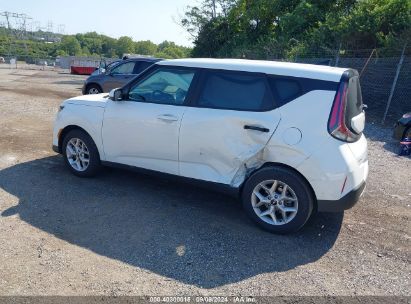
[(116, 94)]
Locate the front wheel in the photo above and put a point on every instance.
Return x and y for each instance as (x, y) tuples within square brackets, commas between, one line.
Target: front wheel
[(81, 154), (93, 89), (277, 199)]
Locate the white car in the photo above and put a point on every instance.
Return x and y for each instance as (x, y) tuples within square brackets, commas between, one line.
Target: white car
[(287, 138)]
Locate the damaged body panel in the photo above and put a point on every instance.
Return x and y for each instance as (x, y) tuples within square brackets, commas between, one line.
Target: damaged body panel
[(217, 146)]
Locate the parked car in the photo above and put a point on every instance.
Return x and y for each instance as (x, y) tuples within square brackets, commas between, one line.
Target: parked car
[(116, 75), (2, 60), (402, 128), (286, 138)]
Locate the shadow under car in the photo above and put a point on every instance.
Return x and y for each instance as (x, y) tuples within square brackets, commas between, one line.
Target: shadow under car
[(176, 230)]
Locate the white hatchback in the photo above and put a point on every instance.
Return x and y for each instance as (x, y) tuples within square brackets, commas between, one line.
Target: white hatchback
[(285, 137)]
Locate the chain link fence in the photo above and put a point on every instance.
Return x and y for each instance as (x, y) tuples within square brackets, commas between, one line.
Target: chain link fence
[(377, 68)]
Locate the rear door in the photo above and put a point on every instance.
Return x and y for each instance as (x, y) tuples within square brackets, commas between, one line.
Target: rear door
[(223, 134)]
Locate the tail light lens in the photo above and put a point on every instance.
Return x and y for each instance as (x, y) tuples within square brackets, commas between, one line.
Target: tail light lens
[(337, 121)]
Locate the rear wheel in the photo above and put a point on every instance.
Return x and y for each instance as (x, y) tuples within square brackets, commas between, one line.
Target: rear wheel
[(405, 149), (81, 154), (93, 89), (407, 133), (277, 199)]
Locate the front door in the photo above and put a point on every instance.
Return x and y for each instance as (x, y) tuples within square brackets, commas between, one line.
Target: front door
[(143, 129), (119, 76)]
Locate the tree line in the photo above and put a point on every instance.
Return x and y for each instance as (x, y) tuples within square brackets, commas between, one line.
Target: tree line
[(291, 28), (260, 29), (50, 45)]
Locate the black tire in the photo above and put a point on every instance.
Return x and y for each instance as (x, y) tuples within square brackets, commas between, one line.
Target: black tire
[(97, 89), (94, 164), (302, 191)]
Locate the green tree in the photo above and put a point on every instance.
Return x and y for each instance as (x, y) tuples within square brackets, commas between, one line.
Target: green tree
[(288, 28), (125, 45), (168, 49), (70, 45), (145, 47), (109, 47)]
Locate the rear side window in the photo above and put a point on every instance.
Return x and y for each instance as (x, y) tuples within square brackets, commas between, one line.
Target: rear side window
[(235, 91), (354, 100), (141, 66), (286, 89)]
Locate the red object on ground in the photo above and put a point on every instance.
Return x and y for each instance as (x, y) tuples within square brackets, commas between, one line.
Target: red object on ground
[(81, 70)]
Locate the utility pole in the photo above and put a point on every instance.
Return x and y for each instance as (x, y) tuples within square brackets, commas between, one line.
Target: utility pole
[(214, 9), (18, 30)]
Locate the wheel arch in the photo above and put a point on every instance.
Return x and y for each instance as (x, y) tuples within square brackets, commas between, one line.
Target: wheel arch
[(93, 84), (282, 165), (63, 133)]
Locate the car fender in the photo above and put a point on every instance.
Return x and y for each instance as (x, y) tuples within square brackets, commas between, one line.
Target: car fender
[(88, 118)]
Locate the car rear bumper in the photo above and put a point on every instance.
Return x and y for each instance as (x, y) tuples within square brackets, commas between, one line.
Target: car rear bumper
[(344, 203)]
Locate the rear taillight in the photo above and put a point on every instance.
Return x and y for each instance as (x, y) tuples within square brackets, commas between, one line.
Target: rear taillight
[(336, 122)]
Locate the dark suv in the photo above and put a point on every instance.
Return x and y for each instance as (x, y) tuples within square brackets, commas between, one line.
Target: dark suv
[(117, 75)]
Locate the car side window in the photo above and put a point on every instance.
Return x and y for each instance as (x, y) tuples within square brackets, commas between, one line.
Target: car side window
[(235, 91), (125, 68), (286, 89), (141, 66), (165, 86)]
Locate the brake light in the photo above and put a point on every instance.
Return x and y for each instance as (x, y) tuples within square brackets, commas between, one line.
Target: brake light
[(336, 122)]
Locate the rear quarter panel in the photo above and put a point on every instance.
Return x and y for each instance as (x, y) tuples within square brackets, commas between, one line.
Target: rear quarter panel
[(316, 155)]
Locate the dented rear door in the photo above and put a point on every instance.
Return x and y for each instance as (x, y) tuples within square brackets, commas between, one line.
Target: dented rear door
[(223, 135)]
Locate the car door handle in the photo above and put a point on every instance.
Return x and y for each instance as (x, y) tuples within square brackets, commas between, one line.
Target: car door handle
[(256, 128), (168, 117)]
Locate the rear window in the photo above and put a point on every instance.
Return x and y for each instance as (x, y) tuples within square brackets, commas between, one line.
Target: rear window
[(354, 100), (235, 91)]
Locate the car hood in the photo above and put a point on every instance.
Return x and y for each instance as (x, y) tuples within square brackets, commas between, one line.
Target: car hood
[(93, 100)]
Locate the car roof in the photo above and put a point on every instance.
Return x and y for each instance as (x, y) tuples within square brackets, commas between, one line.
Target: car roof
[(261, 66), (150, 59)]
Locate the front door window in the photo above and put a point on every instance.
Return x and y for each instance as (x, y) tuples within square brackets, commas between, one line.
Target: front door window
[(165, 86)]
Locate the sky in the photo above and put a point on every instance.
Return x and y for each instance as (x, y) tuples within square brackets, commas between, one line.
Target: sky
[(153, 20)]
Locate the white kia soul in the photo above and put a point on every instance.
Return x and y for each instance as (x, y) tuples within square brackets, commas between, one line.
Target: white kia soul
[(286, 137)]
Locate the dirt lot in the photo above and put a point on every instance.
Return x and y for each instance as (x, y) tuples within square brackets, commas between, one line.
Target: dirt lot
[(124, 233)]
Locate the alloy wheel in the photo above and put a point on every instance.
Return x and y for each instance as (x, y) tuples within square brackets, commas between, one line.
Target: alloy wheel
[(77, 154), (274, 202)]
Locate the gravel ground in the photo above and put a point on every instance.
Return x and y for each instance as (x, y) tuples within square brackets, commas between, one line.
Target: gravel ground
[(124, 233)]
